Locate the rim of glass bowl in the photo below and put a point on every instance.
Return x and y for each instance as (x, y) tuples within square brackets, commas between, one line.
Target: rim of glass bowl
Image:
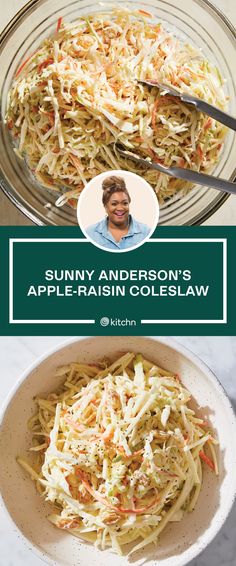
[(36, 217)]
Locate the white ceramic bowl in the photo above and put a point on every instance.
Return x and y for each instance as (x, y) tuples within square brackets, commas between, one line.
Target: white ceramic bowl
[(180, 542)]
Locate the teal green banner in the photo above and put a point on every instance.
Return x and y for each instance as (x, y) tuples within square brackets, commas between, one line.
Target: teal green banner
[(63, 280), (53, 281)]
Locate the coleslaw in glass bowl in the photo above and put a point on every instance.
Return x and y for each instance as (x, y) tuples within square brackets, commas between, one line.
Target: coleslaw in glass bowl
[(78, 95), (182, 25)]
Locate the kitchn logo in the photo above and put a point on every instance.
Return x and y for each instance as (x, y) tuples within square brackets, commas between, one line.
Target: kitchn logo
[(105, 321)]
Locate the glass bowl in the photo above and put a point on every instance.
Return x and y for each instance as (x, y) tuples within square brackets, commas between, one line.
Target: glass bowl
[(196, 21)]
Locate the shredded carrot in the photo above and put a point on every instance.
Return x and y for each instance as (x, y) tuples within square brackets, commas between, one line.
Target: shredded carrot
[(184, 79), (207, 460), (48, 113), (45, 63), (193, 74), (181, 162), (22, 66), (75, 160), (75, 426), (94, 401), (133, 455), (90, 490), (51, 116), (138, 511), (177, 376), (200, 152), (108, 436), (208, 124), (147, 14), (69, 524), (154, 156), (137, 453), (59, 24), (204, 423), (102, 500)]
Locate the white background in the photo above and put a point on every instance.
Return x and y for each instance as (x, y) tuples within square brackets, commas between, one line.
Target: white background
[(219, 353), (9, 214)]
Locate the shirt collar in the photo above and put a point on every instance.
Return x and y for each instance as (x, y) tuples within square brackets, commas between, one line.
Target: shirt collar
[(102, 228)]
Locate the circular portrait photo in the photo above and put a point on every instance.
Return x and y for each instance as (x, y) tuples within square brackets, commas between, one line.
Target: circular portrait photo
[(118, 211)]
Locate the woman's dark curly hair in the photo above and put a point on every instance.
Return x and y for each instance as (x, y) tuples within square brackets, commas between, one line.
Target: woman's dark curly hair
[(111, 185)]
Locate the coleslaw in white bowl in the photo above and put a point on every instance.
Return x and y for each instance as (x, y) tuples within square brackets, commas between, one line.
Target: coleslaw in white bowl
[(180, 541), (118, 451)]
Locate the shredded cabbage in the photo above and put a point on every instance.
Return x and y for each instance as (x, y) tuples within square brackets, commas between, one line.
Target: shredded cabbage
[(118, 450)]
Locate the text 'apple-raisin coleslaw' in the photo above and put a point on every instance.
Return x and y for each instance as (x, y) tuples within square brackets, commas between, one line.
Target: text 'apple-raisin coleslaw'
[(78, 95), (119, 451)]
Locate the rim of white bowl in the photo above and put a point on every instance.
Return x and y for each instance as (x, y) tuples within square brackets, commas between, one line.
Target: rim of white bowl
[(191, 552)]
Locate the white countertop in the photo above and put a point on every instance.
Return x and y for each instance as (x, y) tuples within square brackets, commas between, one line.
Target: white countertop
[(219, 353), (9, 214)]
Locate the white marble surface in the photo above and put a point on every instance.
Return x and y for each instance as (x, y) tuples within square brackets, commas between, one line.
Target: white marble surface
[(219, 353), (9, 214)]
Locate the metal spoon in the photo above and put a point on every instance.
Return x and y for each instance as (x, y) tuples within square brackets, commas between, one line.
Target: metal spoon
[(200, 104), (181, 173)]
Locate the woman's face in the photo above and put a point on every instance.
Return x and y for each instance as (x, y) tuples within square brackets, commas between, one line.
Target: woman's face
[(117, 208)]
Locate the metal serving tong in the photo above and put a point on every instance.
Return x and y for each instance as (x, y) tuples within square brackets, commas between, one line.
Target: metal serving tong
[(200, 104), (179, 172)]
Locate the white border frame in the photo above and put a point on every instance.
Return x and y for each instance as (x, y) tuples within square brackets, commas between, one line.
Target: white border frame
[(143, 321)]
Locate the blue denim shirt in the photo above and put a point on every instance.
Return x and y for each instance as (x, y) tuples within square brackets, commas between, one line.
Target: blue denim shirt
[(100, 234)]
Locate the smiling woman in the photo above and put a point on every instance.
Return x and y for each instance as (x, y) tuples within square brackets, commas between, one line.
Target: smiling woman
[(119, 230)]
